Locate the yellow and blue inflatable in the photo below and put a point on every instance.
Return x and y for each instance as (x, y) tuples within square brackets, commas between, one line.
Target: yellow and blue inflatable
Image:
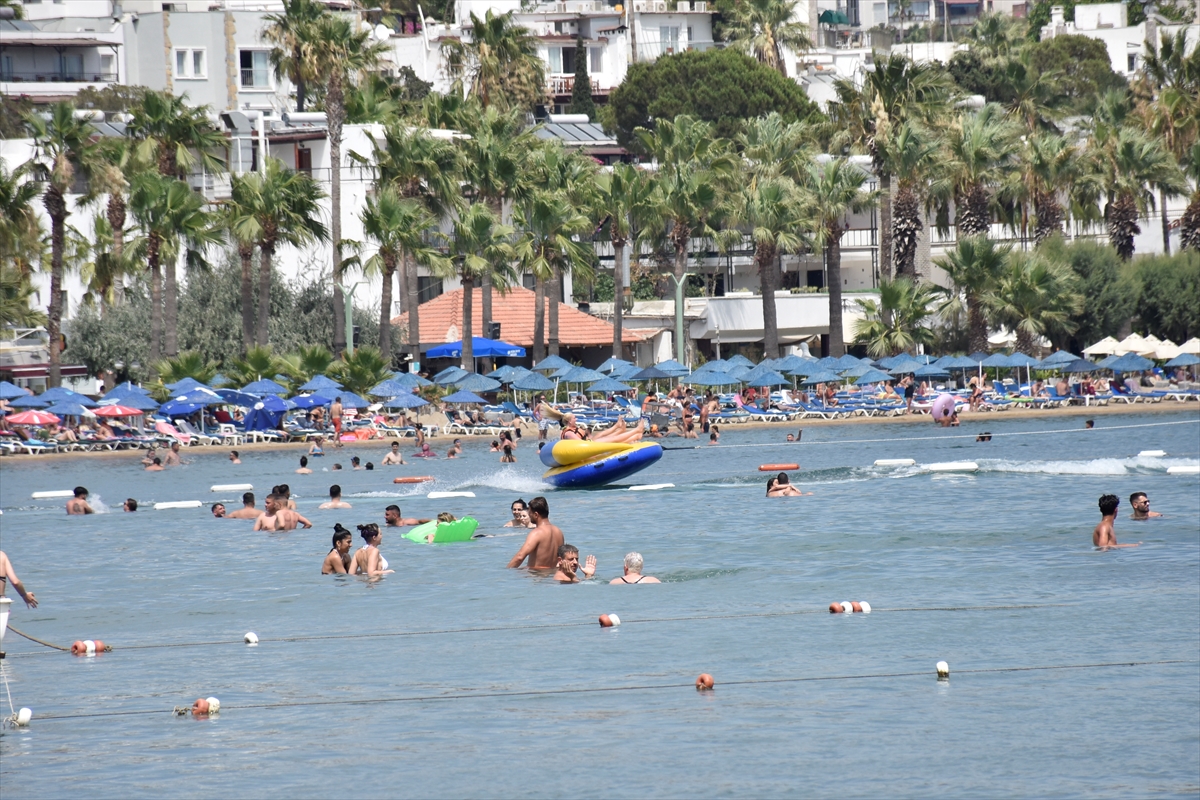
[(579, 465)]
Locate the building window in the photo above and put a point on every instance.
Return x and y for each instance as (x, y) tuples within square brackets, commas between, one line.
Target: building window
[(190, 64), (428, 288), (256, 69), (597, 60), (1133, 62), (562, 60), (108, 68), (668, 38), (6, 68), (72, 66)]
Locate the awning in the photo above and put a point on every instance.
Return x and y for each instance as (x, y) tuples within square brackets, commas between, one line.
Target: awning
[(27, 371), (17, 40)]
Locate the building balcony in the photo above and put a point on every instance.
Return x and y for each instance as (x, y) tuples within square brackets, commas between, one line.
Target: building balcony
[(564, 85), (49, 76)]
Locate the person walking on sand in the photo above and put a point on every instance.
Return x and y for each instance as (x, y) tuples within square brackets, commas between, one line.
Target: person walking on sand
[(542, 543), (1104, 536)]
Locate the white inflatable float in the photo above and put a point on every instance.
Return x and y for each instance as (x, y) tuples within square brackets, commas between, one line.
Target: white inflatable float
[(231, 487), (48, 495), (177, 504), (1184, 470), (895, 462), (441, 495), (952, 466)]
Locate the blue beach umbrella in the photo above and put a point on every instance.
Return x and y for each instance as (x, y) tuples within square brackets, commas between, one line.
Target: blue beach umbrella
[(533, 382), (264, 386), (1104, 362), (406, 401), (1131, 362), (873, 376), (29, 401), (855, 371), (66, 408), (764, 377), (10, 390), (199, 396), (320, 382), (504, 374), (480, 348), (800, 369), (1059, 357), (187, 384), (931, 371), (609, 385), (740, 359), (179, 408), (464, 397), (649, 374), (719, 364), (473, 382), (1183, 360), (823, 376), (411, 380), (996, 360), (957, 362), (310, 401), (847, 361), (551, 364), (1019, 359), (351, 400), (582, 375), (132, 400), (612, 364), (389, 388), (234, 397), (711, 377), (672, 367), (449, 376), (58, 393), (1080, 365)]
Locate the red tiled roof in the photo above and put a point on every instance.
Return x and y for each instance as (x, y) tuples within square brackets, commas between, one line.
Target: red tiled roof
[(441, 320)]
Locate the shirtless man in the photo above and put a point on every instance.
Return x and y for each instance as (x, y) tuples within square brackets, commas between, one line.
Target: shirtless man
[(148, 459), (780, 486), (335, 414), (542, 543), (394, 456), (277, 517), (155, 465), (9, 575), (218, 510), (247, 511), (234, 458), (335, 498), (455, 449), (304, 470), (633, 572), (394, 519), (1141, 506), (568, 565), (78, 504), (172, 459), (1104, 536)]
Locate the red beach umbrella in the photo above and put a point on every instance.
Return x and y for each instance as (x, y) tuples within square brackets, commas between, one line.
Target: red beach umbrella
[(32, 417), (116, 411)]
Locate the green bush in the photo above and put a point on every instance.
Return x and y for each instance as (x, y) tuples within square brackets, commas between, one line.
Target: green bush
[(1168, 295)]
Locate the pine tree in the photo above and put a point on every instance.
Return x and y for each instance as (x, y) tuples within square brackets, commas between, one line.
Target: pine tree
[(581, 92)]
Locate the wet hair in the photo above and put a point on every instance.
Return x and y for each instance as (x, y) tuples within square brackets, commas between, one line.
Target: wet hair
[(539, 506), (495, 443), (131, 504), (1108, 504), (446, 516), (782, 479), (339, 533), (274, 497), (337, 466), (335, 491), (354, 460), (80, 491), (284, 490), (248, 499), (633, 562), (393, 507), (1133, 497), (274, 490), (303, 461), (157, 462), (368, 531), (1089, 423), (234, 453), (565, 550), (712, 437), (370, 465), (524, 505), (214, 507)]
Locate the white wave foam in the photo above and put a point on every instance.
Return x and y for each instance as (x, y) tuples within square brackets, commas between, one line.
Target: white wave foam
[(505, 480), (416, 490), (1097, 466)]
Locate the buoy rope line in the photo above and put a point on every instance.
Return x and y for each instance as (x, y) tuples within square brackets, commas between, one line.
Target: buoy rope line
[(180, 710), (39, 641), (541, 626)]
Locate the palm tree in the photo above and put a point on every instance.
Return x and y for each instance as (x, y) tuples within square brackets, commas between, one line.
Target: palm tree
[(281, 207), (544, 247), (1189, 226), (1049, 168), (360, 370), (173, 221), (833, 191), (479, 245), (305, 364), (167, 130), (59, 144), (498, 62), (20, 230), (911, 155), (400, 227), (771, 147), (289, 33), (764, 28), (189, 364), (1035, 297), (336, 52), (981, 149), (256, 363), (241, 205), (897, 90), (691, 163), (419, 167), (898, 322), (622, 196), (995, 36), (974, 267), (112, 162), (16, 292)]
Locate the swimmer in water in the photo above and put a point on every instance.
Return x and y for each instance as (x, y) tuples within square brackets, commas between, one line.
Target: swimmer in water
[(173, 459), (155, 465), (520, 515), (368, 560), (393, 456), (633, 572), (455, 449), (285, 492), (339, 560), (542, 543), (304, 470), (780, 486), (984, 437), (315, 448), (568, 565), (247, 511), (1141, 506), (129, 505), (148, 459), (336, 467), (335, 498), (218, 510), (278, 517), (1104, 536), (394, 519), (507, 456), (9, 575), (78, 504), (355, 462), (1089, 424), (425, 452), (234, 458)]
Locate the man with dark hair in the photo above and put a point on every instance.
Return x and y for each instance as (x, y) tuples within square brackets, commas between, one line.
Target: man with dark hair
[(304, 470), (542, 543), (278, 517), (247, 511), (218, 510), (129, 505), (1104, 536), (394, 519), (79, 504), (335, 498), (568, 565), (1141, 506)]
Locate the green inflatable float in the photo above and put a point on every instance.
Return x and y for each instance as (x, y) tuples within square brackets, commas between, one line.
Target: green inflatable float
[(458, 531)]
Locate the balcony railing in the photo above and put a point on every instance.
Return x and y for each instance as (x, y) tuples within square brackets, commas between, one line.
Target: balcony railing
[(565, 84), (50, 76)]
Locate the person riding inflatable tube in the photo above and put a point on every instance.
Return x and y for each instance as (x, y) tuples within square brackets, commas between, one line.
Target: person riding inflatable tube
[(578, 464)]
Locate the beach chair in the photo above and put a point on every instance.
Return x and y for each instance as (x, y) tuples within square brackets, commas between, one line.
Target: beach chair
[(170, 433), (197, 437)]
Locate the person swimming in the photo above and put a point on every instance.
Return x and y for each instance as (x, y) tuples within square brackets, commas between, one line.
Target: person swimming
[(780, 486), (339, 560), (368, 560)]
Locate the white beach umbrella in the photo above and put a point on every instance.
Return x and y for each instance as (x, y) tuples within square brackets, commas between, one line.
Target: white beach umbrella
[(1191, 346), (1105, 347)]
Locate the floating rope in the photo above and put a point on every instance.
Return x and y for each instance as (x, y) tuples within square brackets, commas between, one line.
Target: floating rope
[(180, 710), (39, 641)]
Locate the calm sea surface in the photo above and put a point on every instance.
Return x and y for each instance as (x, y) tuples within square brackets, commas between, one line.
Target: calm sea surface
[(1016, 533)]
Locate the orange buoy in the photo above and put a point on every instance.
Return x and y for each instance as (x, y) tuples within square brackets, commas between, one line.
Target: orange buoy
[(200, 707), (704, 683), (87, 647), (413, 479), (777, 467), (100, 646), (835, 608), (78, 648), (856, 606), (609, 620)]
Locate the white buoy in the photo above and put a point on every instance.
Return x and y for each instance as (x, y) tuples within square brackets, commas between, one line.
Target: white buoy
[(952, 466), (1186, 470), (616, 621), (895, 462), (22, 717), (1152, 454), (48, 495), (90, 646), (177, 504), (214, 705), (943, 670), (231, 487), (650, 487), (440, 495), (251, 638), (866, 607), (847, 607)]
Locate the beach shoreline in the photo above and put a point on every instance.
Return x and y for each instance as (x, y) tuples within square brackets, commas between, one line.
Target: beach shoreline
[(972, 422)]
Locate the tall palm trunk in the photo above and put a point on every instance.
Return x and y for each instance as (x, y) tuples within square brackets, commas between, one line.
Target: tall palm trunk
[(680, 236), (156, 298), (833, 261), (1189, 226), (767, 260), (266, 249), (885, 226), (1166, 223), (336, 115), (301, 88), (539, 319), (468, 328), (1049, 216), (385, 307), (246, 254), (556, 287), (116, 221), (1122, 219), (619, 255), (974, 218), (171, 308), (413, 306), (56, 207), (977, 328), (906, 228)]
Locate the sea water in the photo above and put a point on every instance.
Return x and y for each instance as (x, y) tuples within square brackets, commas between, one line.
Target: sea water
[(510, 710)]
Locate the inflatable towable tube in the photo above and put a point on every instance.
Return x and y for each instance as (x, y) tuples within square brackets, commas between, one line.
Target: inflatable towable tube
[(578, 465)]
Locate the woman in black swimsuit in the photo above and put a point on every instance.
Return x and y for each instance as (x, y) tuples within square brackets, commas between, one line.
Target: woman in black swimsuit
[(633, 571)]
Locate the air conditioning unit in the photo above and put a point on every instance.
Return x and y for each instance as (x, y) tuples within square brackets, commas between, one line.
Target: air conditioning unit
[(701, 6), (560, 8), (683, 6), (641, 6), (659, 6)]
